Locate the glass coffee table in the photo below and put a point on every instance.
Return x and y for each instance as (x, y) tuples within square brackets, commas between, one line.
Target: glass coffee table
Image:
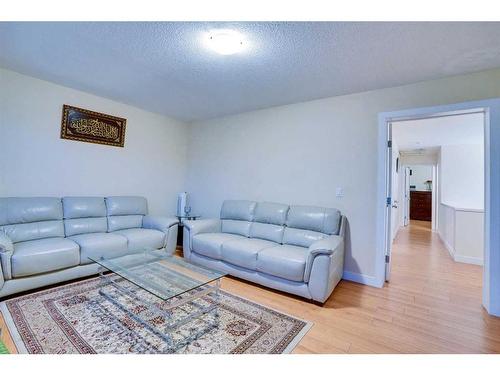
[(175, 291)]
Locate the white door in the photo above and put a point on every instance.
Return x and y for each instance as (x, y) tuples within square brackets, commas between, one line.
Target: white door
[(406, 196), (389, 203)]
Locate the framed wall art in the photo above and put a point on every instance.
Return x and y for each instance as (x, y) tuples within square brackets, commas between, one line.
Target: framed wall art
[(83, 125)]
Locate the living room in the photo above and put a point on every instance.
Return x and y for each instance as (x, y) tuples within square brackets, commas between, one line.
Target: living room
[(273, 138)]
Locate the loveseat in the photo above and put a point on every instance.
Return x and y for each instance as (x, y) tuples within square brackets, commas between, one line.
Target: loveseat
[(48, 240), (295, 249)]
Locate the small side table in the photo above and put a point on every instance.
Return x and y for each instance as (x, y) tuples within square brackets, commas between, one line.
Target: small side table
[(180, 232)]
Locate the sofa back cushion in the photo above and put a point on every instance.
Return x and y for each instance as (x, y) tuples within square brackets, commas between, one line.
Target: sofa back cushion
[(269, 220), (317, 219), (126, 206), (236, 216), (125, 212), (25, 219), (81, 207), (307, 224), (238, 210), (84, 215)]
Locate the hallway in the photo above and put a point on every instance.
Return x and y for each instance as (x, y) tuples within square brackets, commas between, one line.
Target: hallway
[(446, 294)]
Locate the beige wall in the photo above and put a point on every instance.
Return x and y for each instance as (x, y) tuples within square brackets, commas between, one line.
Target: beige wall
[(300, 153), (34, 161)]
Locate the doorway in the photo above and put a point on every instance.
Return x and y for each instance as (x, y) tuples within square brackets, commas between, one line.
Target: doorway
[(418, 184), (490, 112)]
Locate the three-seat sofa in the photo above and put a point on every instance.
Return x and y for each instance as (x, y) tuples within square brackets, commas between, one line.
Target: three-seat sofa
[(48, 240), (296, 249)]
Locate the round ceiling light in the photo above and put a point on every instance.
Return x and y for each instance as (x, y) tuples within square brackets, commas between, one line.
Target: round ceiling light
[(225, 42)]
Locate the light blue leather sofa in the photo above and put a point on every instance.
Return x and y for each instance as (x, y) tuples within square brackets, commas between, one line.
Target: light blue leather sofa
[(48, 240), (296, 249)]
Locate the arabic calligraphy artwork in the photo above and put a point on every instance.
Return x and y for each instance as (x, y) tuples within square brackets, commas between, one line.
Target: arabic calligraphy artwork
[(87, 126)]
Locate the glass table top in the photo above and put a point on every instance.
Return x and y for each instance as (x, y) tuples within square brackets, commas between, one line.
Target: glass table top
[(165, 276)]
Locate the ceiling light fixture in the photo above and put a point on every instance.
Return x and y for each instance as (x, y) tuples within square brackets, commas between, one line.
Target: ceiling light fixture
[(225, 42)]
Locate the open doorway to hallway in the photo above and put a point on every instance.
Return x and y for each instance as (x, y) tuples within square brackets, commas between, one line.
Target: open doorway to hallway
[(438, 181), (437, 188)]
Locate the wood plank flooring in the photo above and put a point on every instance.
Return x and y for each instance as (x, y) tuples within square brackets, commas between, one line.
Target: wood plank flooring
[(431, 305)]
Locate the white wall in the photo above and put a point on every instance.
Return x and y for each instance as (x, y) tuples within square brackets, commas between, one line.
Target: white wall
[(462, 176), (420, 174), (34, 161), (300, 153)]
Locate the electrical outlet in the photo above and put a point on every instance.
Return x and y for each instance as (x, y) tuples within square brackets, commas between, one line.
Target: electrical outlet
[(339, 193)]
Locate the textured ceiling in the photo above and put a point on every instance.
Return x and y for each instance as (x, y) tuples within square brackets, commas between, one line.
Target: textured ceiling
[(439, 131), (164, 67)]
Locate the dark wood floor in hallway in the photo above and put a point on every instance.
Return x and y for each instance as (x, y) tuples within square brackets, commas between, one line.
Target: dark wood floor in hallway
[(431, 305)]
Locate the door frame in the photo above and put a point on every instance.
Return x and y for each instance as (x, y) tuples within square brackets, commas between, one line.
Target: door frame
[(491, 109), (406, 195)]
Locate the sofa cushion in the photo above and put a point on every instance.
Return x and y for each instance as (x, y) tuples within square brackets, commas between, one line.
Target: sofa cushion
[(301, 237), (243, 252), (140, 238), (269, 232), (124, 222), (28, 210), (210, 244), (236, 227), (318, 219), (271, 213), (238, 210), (34, 231), (107, 245), (73, 227), (44, 255), (81, 207), (285, 261), (126, 206)]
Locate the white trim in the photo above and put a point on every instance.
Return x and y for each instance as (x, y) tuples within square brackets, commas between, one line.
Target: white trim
[(480, 210), (460, 258), (362, 279), (491, 109), (469, 260), (450, 248)]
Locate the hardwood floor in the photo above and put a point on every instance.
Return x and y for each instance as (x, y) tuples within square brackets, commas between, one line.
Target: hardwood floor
[(431, 305)]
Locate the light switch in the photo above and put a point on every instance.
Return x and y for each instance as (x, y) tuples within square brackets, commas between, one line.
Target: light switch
[(339, 193)]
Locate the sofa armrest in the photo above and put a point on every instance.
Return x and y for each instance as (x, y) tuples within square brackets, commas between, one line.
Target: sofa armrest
[(194, 227), (167, 225), (6, 251), (161, 223), (326, 246), (202, 226)]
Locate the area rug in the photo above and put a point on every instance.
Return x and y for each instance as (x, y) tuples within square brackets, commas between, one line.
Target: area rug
[(75, 318)]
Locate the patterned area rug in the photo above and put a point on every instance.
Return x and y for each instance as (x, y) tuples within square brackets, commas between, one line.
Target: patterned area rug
[(75, 318)]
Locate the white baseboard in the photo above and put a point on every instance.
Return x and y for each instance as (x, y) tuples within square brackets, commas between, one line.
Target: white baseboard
[(362, 279), (450, 249), (460, 258), (469, 260)]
